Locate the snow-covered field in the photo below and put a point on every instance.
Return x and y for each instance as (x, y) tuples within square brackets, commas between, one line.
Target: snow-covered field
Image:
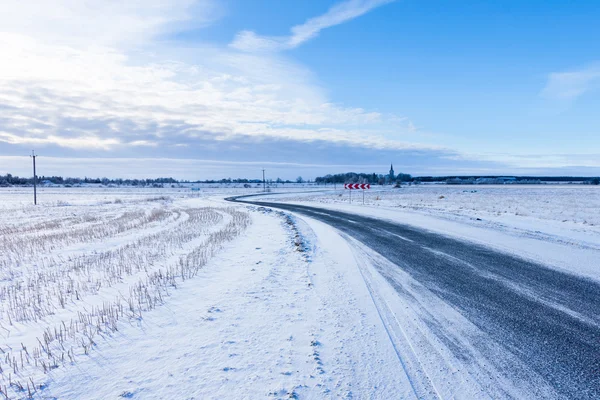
[(74, 270), (568, 204), (15, 198), (555, 224), (270, 317), (165, 293), (131, 293)]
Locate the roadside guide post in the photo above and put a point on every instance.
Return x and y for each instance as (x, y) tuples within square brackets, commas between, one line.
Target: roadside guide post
[(353, 186)]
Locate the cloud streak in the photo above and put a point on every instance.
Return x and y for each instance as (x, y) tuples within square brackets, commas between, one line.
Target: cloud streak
[(338, 14), (568, 86)]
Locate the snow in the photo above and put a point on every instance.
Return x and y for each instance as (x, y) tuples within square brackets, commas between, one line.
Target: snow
[(427, 333), (574, 206), (233, 329), (273, 315), (21, 198), (70, 275), (554, 224), (258, 303)]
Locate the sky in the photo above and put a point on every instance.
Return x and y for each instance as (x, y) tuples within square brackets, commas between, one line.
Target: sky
[(210, 89)]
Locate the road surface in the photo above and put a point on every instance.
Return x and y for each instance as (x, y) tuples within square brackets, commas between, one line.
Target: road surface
[(548, 319)]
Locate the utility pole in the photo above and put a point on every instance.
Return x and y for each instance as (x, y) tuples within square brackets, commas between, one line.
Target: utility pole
[(264, 182), (33, 156)]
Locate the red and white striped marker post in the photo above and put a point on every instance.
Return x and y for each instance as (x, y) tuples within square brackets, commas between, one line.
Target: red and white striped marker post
[(354, 186), (357, 186)]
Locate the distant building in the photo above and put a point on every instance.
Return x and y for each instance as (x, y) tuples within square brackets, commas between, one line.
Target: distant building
[(392, 175)]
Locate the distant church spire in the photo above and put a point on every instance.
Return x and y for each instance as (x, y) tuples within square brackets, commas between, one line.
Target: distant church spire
[(392, 176)]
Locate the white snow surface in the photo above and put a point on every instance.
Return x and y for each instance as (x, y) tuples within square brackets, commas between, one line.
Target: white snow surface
[(274, 315), (558, 225), (284, 308)]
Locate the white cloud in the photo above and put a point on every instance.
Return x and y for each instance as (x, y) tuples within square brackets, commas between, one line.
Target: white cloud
[(90, 75), (102, 22), (338, 14), (572, 84), (85, 142)]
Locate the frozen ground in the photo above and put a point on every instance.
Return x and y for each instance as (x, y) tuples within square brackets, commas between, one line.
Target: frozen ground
[(510, 327), (155, 293), (19, 198), (270, 317), (72, 272), (555, 224), (573, 206), (150, 295)]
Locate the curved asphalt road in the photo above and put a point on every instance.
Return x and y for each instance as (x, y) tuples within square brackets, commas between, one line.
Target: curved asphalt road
[(547, 318)]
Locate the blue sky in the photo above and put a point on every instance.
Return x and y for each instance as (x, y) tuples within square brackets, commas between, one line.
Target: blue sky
[(212, 89)]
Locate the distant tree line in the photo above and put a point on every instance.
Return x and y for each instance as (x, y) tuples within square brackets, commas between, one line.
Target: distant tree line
[(348, 177), (380, 179), (454, 179), (354, 177), (244, 180), (12, 180)]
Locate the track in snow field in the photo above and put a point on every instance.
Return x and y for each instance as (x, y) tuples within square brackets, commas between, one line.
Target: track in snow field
[(548, 319)]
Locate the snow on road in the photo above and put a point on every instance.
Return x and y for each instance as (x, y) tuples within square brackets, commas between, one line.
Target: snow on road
[(441, 350)]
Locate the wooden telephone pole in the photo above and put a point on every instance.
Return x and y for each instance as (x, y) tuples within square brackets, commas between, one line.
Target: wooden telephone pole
[(264, 182), (33, 156)]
